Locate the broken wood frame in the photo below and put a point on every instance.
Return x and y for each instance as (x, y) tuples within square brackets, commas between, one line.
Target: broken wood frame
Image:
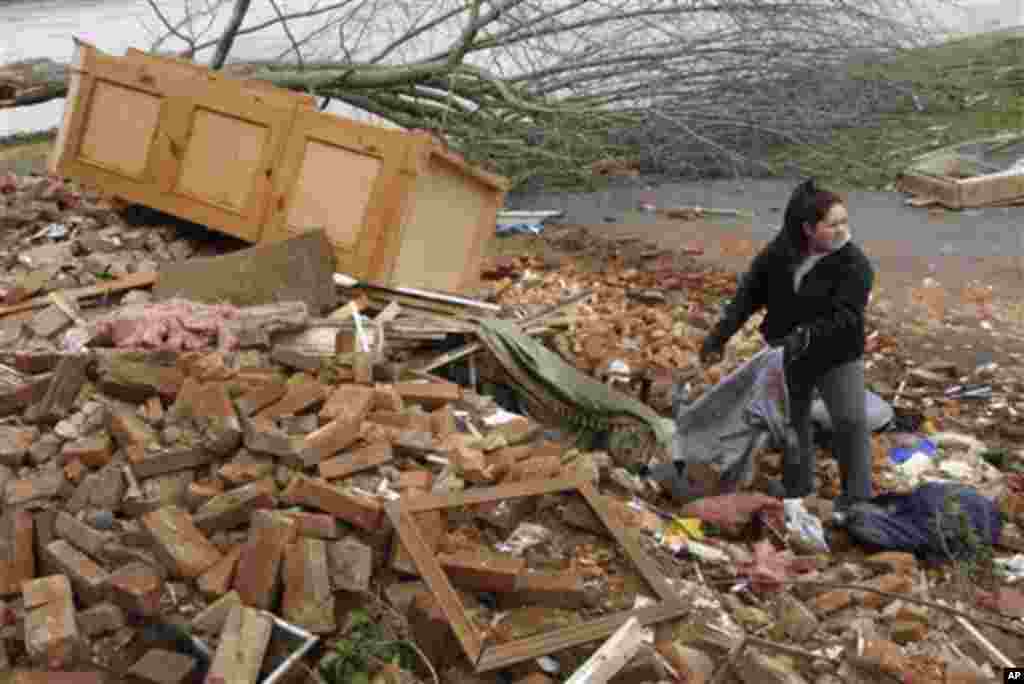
[(964, 193), (263, 165), (402, 516)]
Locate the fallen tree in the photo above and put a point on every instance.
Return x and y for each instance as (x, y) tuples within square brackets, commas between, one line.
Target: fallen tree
[(536, 88)]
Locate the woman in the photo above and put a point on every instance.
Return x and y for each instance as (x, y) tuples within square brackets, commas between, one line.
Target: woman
[(814, 283)]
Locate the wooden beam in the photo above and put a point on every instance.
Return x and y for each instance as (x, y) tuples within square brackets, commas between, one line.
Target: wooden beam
[(402, 514), (612, 656), (130, 282)]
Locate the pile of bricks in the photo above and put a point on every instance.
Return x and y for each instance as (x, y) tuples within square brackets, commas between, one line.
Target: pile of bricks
[(180, 487)]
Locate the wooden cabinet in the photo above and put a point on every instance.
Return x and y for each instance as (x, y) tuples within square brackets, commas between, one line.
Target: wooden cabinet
[(262, 164)]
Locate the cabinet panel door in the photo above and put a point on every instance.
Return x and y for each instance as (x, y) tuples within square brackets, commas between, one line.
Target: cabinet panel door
[(344, 177)]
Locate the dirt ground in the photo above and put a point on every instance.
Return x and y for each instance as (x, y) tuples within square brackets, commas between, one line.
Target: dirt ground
[(959, 336)]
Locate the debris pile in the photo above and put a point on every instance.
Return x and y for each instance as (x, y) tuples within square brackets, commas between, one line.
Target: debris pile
[(223, 491)]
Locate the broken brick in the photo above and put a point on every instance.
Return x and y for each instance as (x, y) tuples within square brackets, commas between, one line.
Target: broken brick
[(333, 437), (85, 537), (259, 398), (179, 543), (50, 321), (68, 379), (103, 618), (315, 525), (401, 594), (242, 647), (344, 465), (551, 589), (414, 479), (257, 574), (264, 437), (233, 508), (892, 561), (385, 398), (692, 665), (402, 420), (15, 443), (174, 459), (19, 565), (211, 619), (308, 600), (87, 578), (505, 514), (18, 392), (152, 411), (52, 639), (74, 471), (95, 451), (535, 469), (136, 589), (200, 493), (300, 396), (129, 430), (442, 422), (222, 429), (348, 402), (432, 632), (362, 511), (104, 489), (46, 484), (471, 464), (893, 583), (351, 563), (56, 677), (516, 430), (163, 667), (430, 395), (479, 572), (239, 472), (831, 601), (137, 381), (218, 579)]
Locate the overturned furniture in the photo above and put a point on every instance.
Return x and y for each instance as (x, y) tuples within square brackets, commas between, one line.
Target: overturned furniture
[(987, 172), (262, 164)]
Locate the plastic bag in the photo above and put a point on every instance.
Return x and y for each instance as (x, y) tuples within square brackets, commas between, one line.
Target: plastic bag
[(804, 527)]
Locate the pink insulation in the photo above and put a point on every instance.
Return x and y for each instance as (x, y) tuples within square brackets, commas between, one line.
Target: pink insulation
[(174, 325)]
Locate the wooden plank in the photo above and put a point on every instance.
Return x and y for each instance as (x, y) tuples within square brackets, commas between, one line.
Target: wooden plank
[(437, 581), (643, 564), (527, 649), (243, 644), (608, 660), (430, 502), (129, 282)]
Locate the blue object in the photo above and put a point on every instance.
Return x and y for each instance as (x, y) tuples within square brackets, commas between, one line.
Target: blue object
[(900, 454), (928, 522)]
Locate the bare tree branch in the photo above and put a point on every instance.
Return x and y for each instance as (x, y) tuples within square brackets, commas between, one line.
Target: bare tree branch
[(289, 34), (227, 39)]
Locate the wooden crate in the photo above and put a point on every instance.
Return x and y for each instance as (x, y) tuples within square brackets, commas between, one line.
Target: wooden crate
[(398, 208), (262, 164), (964, 193)]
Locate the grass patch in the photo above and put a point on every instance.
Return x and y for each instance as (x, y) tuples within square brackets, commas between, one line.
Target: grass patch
[(969, 88)]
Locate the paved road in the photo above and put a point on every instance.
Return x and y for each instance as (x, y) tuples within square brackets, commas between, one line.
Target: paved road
[(876, 217), (906, 244)]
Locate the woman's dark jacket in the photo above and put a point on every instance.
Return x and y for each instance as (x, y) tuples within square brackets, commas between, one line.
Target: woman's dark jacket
[(830, 303)]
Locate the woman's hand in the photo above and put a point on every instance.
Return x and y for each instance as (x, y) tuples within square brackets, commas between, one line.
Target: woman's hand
[(796, 343), (711, 350)]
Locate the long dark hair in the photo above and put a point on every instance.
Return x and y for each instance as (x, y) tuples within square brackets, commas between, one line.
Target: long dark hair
[(807, 204)]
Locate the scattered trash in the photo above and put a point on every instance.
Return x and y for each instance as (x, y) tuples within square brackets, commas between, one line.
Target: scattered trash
[(524, 537), (910, 446), (804, 528)]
